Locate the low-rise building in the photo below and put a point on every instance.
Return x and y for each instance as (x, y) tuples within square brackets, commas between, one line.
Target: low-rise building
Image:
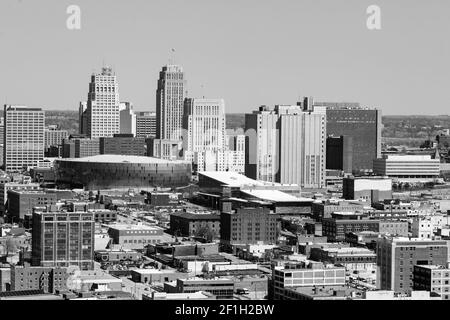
[(222, 288), (48, 280), (306, 275), (135, 236), (432, 278), (190, 224)]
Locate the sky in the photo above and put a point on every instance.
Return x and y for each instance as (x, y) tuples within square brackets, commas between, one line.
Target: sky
[(248, 52)]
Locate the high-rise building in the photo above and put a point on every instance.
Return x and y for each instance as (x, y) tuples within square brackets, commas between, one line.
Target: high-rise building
[(103, 116), (23, 137), (362, 124), (146, 124), (54, 136), (127, 119), (262, 145), (287, 145), (204, 125), (62, 239), (82, 114), (339, 153), (396, 258), (204, 140), (169, 103)]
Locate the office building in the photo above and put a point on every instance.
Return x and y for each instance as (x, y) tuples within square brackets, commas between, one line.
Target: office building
[(78, 146), (205, 142), (127, 118), (407, 166), (364, 127), (248, 226), (396, 258), (169, 103), (135, 236), (103, 115), (82, 118), (123, 144), (47, 279), (432, 278), (305, 274), (286, 145), (340, 153), (145, 124), (22, 202), (336, 228), (54, 136), (23, 144), (371, 189), (355, 260), (204, 125), (7, 185), (222, 288), (165, 149), (321, 210), (189, 224), (62, 239)]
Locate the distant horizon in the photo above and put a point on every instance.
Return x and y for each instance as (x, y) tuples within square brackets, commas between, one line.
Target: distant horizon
[(252, 53)]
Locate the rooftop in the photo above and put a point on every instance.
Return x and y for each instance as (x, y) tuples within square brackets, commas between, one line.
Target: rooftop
[(109, 158), (232, 179), (121, 227), (275, 195)]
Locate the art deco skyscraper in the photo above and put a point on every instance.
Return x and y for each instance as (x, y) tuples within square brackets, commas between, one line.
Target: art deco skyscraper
[(204, 125), (23, 137), (103, 115), (169, 103)]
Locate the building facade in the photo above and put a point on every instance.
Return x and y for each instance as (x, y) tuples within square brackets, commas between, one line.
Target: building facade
[(286, 145), (145, 124), (169, 103), (63, 239), (103, 116), (407, 166), (396, 258), (248, 226), (23, 141), (363, 125), (127, 118), (123, 144)]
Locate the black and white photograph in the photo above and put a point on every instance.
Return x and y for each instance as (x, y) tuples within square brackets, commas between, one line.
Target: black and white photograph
[(224, 158)]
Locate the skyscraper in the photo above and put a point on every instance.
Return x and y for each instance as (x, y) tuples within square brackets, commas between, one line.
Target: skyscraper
[(62, 239), (82, 114), (103, 116), (204, 140), (127, 118), (287, 145), (363, 125), (169, 103), (204, 125), (262, 145), (23, 137)]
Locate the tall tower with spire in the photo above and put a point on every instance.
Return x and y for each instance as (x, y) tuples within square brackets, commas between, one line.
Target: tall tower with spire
[(170, 96)]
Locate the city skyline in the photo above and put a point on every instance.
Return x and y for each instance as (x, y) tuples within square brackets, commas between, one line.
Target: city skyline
[(376, 68)]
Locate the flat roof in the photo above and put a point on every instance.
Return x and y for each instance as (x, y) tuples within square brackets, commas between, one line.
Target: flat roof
[(232, 179), (275, 195), (110, 158), (154, 271), (121, 227)]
